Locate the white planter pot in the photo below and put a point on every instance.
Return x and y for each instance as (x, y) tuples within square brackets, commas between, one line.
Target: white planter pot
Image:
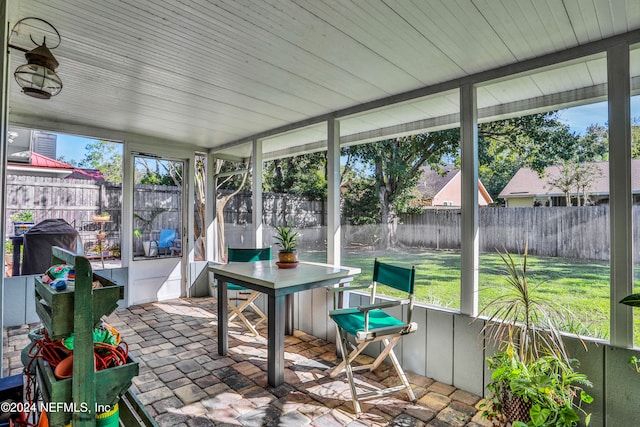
[(150, 248)]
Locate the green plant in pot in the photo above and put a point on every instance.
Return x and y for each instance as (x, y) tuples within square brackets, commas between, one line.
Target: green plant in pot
[(287, 239), (533, 382), (103, 217)]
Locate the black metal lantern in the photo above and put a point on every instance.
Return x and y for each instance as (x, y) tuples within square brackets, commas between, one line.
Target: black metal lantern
[(38, 77)]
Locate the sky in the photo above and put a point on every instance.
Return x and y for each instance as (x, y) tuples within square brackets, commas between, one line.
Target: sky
[(71, 147), (578, 119)]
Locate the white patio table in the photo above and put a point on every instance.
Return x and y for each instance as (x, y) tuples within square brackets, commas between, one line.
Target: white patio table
[(279, 285)]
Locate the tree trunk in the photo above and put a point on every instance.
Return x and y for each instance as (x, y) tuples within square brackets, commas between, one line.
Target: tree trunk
[(220, 204), (387, 219), (199, 214), (385, 230)]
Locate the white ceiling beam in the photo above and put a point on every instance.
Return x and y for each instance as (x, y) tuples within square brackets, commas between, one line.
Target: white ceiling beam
[(556, 101), (507, 71)]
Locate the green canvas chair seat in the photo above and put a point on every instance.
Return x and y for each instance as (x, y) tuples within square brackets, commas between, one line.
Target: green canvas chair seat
[(234, 287), (352, 323), (245, 298), (370, 323)]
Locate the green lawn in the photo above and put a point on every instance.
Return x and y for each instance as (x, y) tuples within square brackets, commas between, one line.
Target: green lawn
[(581, 286)]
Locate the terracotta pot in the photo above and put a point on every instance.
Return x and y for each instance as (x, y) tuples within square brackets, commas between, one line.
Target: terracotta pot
[(288, 257), (64, 368)]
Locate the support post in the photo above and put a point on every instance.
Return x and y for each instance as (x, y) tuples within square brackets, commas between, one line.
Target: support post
[(256, 193), (4, 107), (210, 212), (333, 191), (620, 202), (469, 232)]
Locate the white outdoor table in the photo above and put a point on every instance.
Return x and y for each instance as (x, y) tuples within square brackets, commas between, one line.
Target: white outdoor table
[(279, 285)]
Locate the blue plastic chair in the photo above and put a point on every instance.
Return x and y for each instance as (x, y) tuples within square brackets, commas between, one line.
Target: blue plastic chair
[(369, 324), (166, 239), (246, 296)]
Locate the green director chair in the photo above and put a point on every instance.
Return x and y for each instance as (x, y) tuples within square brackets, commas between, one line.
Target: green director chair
[(369, 324), (246, 296)]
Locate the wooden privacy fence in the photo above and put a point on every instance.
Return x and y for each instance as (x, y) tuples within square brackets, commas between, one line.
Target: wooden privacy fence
[(567, 232), (77, 200), (74, 200), (277, 208)]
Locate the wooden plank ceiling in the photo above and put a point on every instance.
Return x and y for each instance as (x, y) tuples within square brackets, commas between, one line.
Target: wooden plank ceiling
[(207, 73)]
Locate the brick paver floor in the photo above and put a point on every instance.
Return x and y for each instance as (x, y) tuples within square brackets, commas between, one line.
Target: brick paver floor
[(184, 382)]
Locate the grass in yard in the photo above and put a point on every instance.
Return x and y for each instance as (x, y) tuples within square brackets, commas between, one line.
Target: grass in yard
[(581, 286)]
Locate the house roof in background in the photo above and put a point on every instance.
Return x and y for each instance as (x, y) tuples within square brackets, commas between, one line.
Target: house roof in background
[(40, 165), (40, 161), (527, 183), (90, 174), (432, 181)]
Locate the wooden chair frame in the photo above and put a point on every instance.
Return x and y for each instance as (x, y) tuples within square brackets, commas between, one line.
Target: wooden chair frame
[(246, 296)]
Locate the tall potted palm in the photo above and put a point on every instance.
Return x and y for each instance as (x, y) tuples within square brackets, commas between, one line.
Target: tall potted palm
[(534, 381)]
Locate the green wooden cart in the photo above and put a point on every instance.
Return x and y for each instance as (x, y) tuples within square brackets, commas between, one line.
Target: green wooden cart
[(78, 310)]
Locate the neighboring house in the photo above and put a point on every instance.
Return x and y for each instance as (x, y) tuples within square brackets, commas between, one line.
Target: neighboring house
[(31, 152), (444, 188), (528, 189)]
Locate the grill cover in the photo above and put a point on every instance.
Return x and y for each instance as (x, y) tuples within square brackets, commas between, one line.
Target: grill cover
[(38, 241)]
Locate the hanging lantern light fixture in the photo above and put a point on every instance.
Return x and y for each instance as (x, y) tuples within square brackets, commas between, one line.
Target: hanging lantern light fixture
[(38, 77)]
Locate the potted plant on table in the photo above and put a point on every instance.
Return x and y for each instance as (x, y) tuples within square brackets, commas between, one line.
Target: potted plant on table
[(534, 382), (287, 239)]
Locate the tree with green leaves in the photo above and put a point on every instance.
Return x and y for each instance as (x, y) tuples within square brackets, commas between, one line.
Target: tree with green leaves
[(395, 167), (152, 171), (303, 175), (535, 141), (565, 180), (635, 138), (105, 156)]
